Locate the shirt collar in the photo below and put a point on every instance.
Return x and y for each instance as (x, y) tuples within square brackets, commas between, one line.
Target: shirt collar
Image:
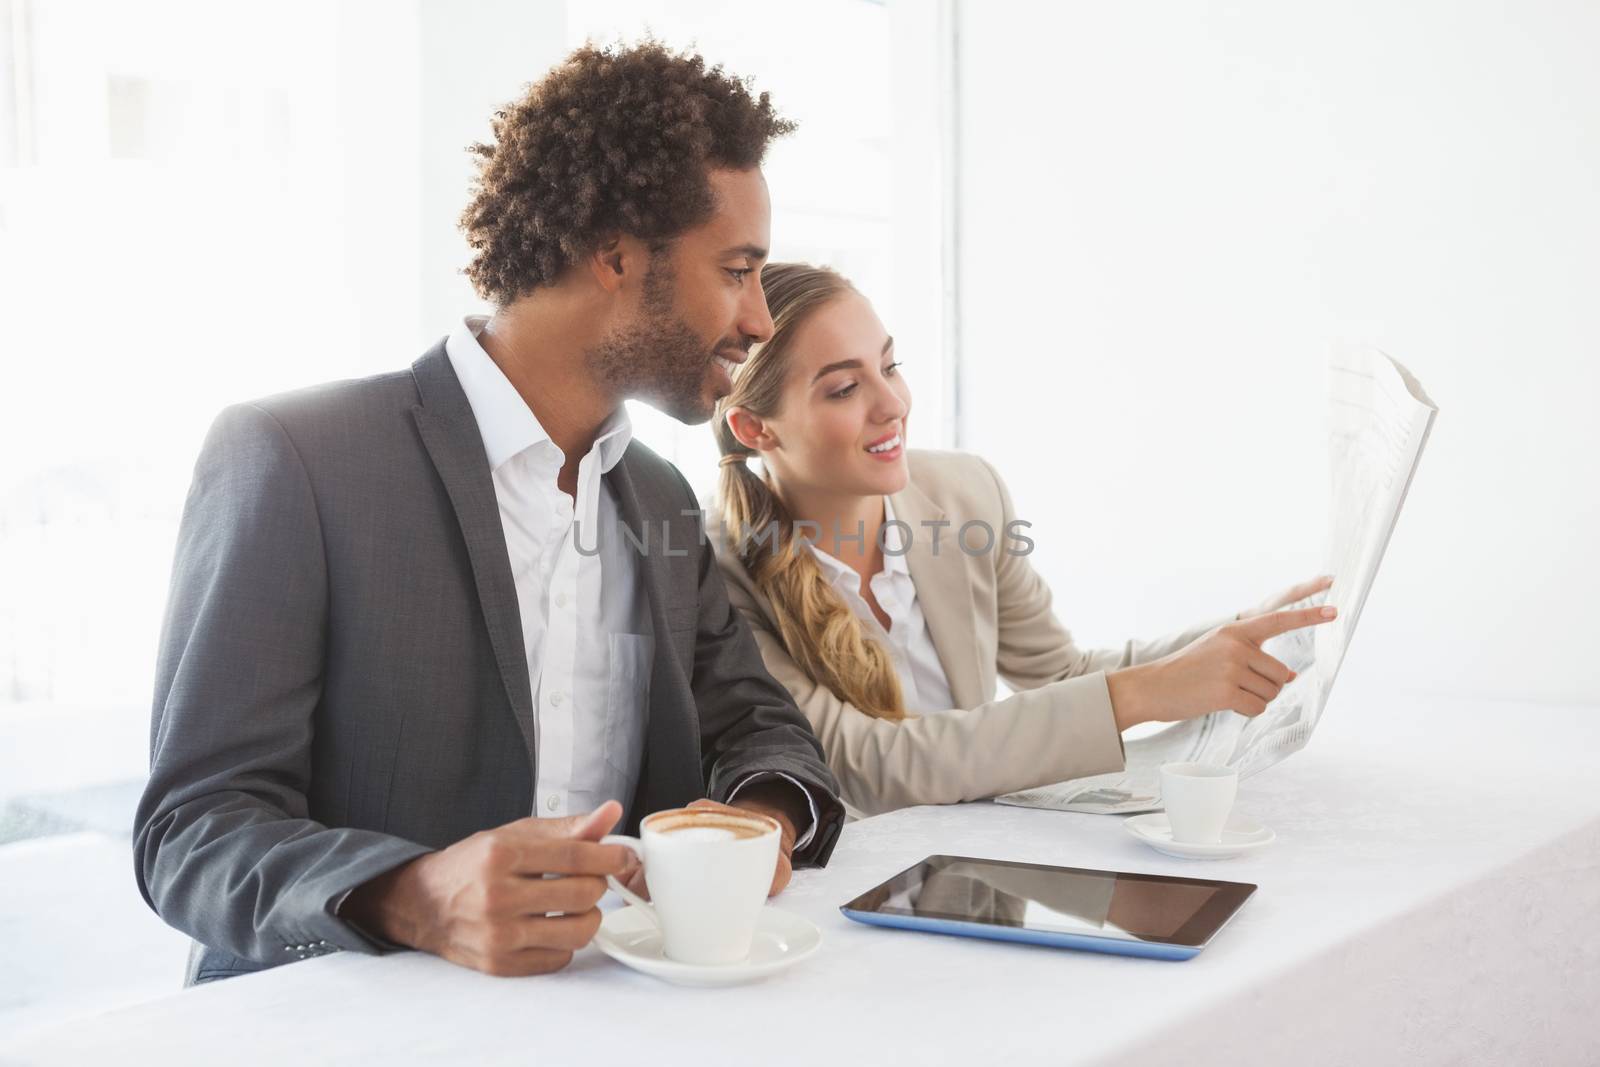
[(894, 543), (505, 421), (894, 560), (835, 570)]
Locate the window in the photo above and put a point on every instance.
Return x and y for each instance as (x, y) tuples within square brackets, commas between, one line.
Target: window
[(203, 203)]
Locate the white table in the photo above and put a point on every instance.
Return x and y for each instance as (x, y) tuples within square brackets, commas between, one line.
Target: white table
[(1433, 896)]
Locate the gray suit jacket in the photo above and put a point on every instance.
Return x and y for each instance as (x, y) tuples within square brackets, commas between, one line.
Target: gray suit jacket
[(342, 686)]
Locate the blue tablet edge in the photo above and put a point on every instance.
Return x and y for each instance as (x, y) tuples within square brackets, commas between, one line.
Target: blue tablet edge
[(1143, 949)]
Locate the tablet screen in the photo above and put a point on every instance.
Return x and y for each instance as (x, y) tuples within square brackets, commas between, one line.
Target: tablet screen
[(1063, 900)]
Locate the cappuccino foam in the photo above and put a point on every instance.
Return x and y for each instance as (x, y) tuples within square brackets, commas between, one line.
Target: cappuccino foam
[(708, 826), (703, 833)]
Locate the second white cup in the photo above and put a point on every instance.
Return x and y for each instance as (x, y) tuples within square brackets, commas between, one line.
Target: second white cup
[(1198, 798), (708, 872)]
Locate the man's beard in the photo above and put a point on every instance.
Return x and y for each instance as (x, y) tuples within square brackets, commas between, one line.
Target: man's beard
[(657, 358)]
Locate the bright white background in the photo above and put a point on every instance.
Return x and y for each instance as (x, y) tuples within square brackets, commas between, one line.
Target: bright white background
[(1163, 212), (203, 202), (1168, 208)]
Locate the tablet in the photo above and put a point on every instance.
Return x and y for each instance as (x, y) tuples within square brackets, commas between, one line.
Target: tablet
[(1150, 915)]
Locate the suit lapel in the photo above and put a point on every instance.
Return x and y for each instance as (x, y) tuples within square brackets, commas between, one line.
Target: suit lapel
[(653, 562), (451, 436), (944, 589), (667, 769)]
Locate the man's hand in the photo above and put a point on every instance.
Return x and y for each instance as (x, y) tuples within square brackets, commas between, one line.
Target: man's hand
[(486, 902), (1224, 669), (1292, 595), (778, 801)]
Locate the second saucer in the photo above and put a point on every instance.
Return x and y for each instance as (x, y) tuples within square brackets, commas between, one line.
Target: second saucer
[(1241, 835)]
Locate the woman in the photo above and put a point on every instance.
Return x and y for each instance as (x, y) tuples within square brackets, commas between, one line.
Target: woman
[(888, 630)]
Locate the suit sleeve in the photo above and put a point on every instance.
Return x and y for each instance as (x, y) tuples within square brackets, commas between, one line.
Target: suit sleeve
[(749, 723), (223, 846)]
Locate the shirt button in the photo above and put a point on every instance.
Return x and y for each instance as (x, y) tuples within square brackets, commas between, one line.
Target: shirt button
[(556, 699), (553, 803), (561, 600)]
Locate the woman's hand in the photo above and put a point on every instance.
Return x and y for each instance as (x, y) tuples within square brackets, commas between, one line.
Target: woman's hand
[(1291, 595), (1224, 669)]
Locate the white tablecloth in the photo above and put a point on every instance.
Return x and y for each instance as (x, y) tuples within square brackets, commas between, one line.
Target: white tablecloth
[(1433, 896)]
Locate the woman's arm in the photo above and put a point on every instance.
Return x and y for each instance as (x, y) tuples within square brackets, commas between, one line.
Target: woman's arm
[(1211, 667), (1047, 734)]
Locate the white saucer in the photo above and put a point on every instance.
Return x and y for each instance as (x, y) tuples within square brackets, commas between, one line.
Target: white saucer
[(1241, 835), (782, 939)]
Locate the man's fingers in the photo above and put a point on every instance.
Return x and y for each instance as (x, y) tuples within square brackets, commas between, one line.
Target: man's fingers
[(1262, 627), (781, 876), (632, 877), (598, 823), (589, 826), (519, 895), (559, 846), (532, 946), (521, 963), (566, 933), (566, 857)]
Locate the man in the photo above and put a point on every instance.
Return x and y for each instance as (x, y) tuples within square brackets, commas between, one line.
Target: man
[(412, 669)]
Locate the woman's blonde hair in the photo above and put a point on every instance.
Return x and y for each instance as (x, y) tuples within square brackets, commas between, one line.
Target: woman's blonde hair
[(819, 630)]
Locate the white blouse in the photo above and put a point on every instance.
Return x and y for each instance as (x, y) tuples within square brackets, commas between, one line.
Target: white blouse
[(922, 677)]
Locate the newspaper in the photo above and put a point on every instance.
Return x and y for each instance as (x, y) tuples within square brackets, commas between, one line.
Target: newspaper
[(1379, 418)]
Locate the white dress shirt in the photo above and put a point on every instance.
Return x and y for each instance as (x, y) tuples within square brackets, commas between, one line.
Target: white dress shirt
[(922, 679), (586, 627), (585, 619)]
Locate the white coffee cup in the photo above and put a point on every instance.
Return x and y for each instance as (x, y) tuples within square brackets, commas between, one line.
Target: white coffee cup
[(708, 872), (1198, 798)]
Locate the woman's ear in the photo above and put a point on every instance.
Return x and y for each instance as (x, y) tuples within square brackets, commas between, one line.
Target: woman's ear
[(751, 430)]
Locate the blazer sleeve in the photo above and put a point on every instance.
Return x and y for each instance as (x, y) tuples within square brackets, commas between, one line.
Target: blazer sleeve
[(223, 847), (1058, 725), (1048, 734), (1033, 648), (749, 724)]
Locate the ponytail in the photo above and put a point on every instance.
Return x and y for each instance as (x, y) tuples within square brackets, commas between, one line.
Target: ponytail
[(817, 628)]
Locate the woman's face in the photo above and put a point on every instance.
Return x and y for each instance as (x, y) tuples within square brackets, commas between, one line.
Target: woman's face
[(841, 427)]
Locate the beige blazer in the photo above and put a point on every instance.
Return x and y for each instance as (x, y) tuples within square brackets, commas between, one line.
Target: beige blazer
[(989, 616)]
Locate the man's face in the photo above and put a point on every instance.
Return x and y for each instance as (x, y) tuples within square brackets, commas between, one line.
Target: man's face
[(701, 304)]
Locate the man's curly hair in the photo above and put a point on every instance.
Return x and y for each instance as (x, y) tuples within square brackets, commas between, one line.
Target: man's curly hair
[(613, 140)]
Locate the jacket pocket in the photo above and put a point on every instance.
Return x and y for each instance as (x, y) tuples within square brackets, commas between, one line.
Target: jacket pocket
[(628, 700)]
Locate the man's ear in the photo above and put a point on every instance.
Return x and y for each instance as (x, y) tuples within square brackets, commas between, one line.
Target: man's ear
[(752, 431), (611, 261)]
